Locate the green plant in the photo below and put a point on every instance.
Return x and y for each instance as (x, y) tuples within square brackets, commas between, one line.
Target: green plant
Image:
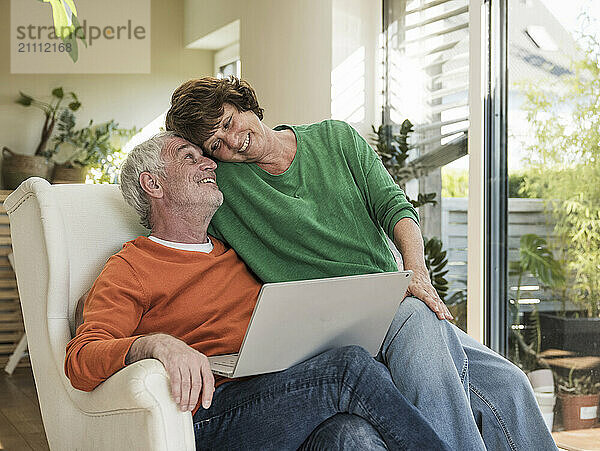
[(436, 261), (393, 150), (66, 25), (95, 146), (51, 110), (583, 385), (455, 182), (564, 161), (457, 304), (536, 258)]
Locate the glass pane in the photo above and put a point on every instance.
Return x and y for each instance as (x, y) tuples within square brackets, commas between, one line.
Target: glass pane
[(554, 204), (232, 68), (426, 82)]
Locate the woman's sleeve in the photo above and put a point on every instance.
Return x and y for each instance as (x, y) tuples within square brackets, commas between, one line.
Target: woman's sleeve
[(386, 201)]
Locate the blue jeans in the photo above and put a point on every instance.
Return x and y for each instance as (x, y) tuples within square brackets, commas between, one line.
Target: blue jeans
[(280, 410), (344, 431), (474, 398)]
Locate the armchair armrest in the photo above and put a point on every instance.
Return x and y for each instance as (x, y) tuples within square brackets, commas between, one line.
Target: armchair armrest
[(141, 387)]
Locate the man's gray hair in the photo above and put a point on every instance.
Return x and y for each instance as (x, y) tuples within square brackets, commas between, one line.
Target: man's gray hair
[(145, 157)]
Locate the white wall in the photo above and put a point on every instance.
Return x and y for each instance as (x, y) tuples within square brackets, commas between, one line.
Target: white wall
[(289, 48), (130, 99), (356, 64)]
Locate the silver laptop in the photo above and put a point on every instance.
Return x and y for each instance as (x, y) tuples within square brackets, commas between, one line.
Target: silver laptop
[(294, 321)]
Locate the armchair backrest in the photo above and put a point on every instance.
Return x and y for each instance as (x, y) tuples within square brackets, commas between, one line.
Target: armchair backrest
[(62, 235)]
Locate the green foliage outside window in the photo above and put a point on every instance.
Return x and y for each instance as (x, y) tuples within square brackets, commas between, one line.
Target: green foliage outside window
[(455, 183), (564, 169)]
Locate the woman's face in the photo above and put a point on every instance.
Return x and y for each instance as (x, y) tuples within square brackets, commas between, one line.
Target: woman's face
[(240, 137)]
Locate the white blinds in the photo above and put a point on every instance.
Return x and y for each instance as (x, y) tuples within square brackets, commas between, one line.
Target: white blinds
[(427, 69)]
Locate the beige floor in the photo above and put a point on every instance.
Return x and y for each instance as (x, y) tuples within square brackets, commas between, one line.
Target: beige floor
[(20, 420)]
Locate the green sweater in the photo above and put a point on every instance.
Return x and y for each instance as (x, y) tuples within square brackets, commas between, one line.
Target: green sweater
[(325, 216)]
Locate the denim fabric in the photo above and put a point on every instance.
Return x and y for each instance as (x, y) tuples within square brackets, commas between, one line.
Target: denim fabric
[(474, 398), (279, 411), (344, 431)]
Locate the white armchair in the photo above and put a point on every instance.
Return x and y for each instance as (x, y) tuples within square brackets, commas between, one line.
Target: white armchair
[(62, 235)]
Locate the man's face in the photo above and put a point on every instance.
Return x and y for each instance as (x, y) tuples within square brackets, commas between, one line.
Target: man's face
[(190, 180), (240, 137)]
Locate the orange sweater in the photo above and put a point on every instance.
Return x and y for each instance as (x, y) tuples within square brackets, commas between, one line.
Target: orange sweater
[(206, 300)]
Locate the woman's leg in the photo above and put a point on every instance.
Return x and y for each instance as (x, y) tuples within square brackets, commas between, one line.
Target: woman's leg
[(471, 395), (502, 401), (429, 366), (280, 410)]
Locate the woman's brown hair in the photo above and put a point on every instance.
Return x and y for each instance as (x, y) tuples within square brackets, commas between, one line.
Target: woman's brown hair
[(197, 106)]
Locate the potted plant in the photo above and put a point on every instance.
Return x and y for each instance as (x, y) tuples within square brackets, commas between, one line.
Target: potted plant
[(564, 170), (578, 400), (537, 259), (95, 146), (393, 151), (15, 167)]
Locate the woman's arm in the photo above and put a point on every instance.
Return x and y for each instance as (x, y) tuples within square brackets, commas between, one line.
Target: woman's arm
[(408, 240)]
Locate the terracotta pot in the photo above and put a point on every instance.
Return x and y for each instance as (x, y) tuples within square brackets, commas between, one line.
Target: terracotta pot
[(17, 168), (578, 411), (65, 174)]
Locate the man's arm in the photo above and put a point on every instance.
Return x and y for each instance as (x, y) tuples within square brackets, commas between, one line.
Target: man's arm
[(188, 370), (105, 342), (408, 240)]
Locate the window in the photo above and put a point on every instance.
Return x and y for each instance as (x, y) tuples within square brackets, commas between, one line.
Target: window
[(426, 73), (553, 292), (233, 68)]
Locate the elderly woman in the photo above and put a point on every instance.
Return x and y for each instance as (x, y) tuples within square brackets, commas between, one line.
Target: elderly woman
[(313, 201)]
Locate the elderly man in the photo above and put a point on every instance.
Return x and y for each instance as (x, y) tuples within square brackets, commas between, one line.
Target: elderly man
[(180, 296)]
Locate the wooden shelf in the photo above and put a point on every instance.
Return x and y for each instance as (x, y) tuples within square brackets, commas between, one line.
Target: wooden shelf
[(559, 358), (11, 320)]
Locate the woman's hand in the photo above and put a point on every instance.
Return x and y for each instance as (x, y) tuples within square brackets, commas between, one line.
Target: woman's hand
[(420, 287)]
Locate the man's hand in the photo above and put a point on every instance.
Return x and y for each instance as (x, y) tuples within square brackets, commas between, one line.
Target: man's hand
[(188, 369), (420, 287)]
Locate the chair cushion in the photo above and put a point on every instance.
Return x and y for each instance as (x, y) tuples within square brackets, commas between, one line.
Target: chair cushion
[(78, 320)]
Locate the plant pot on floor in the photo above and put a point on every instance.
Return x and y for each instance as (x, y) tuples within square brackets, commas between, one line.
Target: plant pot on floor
[(542, 382), (17, 168), (578, 411), (69, 174), (581, 335)]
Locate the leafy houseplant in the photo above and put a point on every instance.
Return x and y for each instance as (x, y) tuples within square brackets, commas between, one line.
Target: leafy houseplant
[(536, 258), (436, 261), (564, 162), (96, 146), (17, 168), (52, 111), (393, 150), (578, 400), (565, 170)]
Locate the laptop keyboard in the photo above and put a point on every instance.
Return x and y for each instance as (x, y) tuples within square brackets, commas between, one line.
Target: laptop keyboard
[(227, 361)]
